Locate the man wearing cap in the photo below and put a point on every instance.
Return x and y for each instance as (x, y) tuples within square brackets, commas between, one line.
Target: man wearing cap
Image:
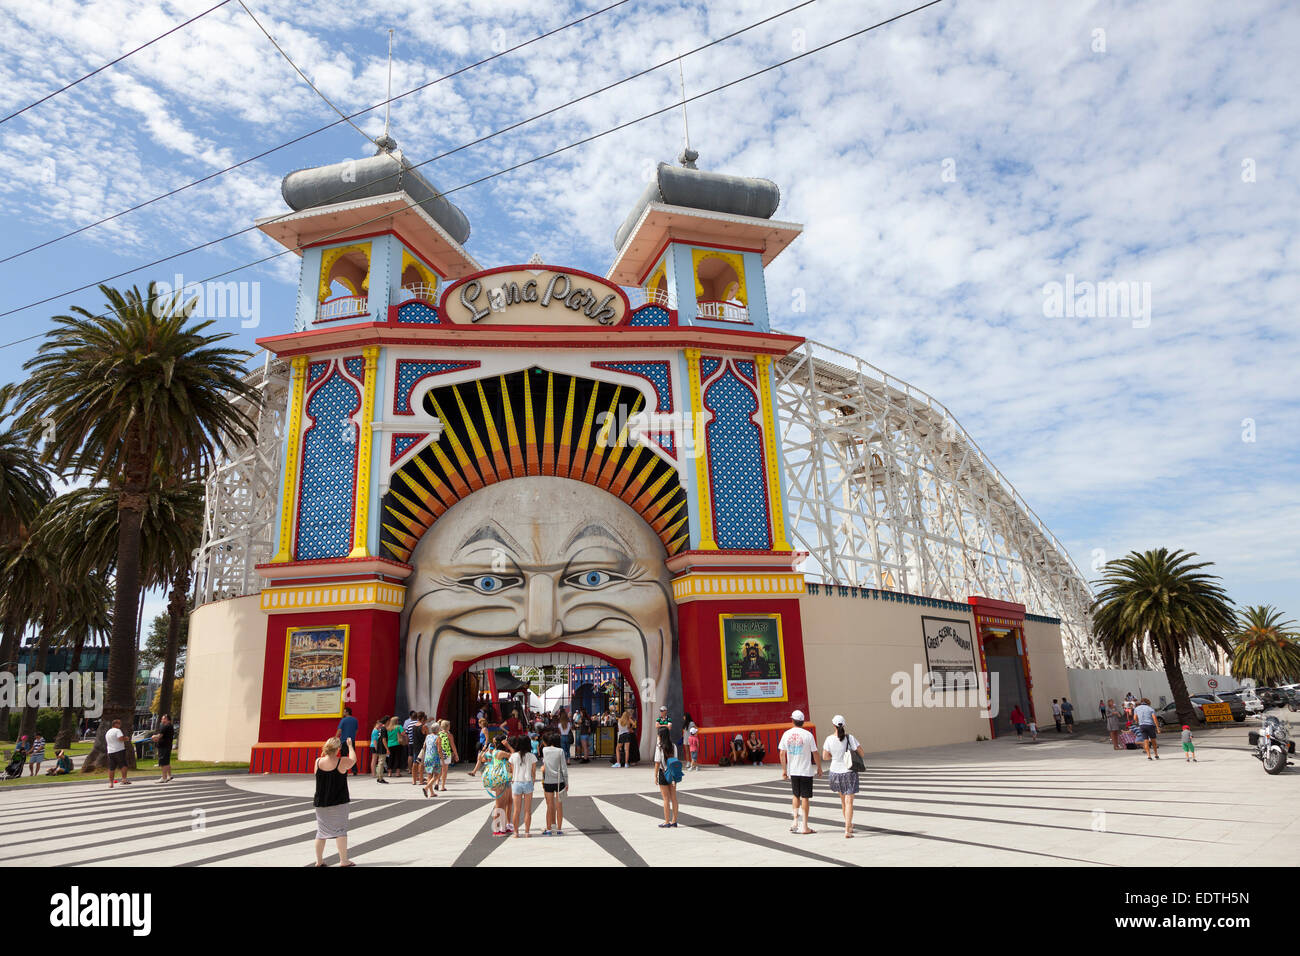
[(798, 755), (662, 720)]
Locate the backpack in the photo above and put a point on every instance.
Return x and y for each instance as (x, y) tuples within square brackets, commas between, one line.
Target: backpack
[(673, 770)]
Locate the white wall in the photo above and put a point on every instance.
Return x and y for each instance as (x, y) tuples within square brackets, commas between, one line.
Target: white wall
[(1087, 686), (852, 648), (222, 704)]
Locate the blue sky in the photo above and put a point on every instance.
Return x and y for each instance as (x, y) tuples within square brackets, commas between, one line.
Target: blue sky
[(948, 167)]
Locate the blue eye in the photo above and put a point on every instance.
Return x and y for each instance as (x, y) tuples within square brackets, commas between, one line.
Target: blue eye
[(489, 583), (590, 580)]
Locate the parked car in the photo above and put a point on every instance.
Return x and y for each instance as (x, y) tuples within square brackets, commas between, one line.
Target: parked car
[(1168, 714)]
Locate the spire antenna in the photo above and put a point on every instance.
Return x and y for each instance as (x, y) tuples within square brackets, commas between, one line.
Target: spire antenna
[(688, 156), (389, 101)]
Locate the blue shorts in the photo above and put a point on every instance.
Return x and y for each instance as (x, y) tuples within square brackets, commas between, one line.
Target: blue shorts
[(1146, 732), (521, 787)]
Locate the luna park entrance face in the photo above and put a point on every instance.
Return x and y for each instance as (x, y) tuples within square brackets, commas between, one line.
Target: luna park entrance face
[(538, 687)]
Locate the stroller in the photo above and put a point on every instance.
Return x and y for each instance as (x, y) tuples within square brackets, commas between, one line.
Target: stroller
[(15, 768)]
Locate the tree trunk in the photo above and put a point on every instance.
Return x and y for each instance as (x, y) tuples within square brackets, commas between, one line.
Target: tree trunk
[(1178, 685), (176, 607), (8, 665), (68, 726), (120, 692), (28, 725)]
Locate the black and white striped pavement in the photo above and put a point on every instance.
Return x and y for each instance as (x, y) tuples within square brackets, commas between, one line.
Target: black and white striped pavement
[(1057, 803)]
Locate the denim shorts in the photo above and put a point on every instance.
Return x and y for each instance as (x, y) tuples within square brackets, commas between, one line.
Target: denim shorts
[(520, 787)]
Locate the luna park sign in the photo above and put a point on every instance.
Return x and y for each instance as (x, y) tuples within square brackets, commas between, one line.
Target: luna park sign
[(534, 295)]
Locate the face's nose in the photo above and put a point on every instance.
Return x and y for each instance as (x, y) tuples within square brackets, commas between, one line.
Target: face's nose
[(540, 623)]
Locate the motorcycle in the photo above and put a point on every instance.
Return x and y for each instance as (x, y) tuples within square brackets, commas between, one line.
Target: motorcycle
[(1272, 744)]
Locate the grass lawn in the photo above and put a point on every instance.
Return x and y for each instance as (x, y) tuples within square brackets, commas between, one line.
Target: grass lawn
[(145, 769)]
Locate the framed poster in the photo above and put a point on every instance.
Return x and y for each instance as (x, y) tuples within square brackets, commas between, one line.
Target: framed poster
[(315, 666), (949, 653), (753, 658)]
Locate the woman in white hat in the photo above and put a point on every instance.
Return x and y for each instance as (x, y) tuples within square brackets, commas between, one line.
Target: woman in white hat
[(839, 749)]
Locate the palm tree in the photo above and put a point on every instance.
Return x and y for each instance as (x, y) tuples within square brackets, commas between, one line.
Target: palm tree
[(24, 490), (1161, 601), (35, 582), (85, 521), (1265, 647), (125, 390), (86, 617)]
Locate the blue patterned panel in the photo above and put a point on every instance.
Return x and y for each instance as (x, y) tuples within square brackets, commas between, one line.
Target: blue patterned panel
[(650, 315), (403, 443), (417, 313), (329, 448), (747, 370), (707, 367), (736, 465), (657, 374), (410, 373), (356, 367), (315, 370)]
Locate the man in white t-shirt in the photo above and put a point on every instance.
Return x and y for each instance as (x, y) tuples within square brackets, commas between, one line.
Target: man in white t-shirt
[(798, 750), (115, 743)]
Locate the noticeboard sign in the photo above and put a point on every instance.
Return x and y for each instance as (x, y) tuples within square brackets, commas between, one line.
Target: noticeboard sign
[(1217, 713)]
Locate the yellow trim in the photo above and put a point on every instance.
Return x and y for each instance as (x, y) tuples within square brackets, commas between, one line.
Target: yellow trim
[(704, 503), (763, 365), (361, 518), (288, 494), (378, 595), (428, 275), (725, 586), (331, 256), (732, 259), (662, 270), (780, 650), (284, 675)]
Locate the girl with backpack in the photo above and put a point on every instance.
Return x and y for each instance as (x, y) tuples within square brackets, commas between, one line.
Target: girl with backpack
[(668, 770), (449, 753), (845, 755)]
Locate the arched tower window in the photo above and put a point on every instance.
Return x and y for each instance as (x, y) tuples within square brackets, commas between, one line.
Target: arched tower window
[(344, 282), (720, 286)]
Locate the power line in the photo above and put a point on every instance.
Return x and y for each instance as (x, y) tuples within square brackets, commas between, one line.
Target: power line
[(676, 104), (299, 139), (113, 62), (343, 116), (482, 139)]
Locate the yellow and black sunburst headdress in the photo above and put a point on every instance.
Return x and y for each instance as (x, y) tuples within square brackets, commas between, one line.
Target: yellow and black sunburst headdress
[(492, 431)]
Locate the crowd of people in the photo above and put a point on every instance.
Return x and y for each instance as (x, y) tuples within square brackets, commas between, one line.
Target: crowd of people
[(518, 747)]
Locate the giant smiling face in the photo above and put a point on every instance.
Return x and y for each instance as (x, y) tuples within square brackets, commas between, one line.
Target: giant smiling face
[(539, 561)]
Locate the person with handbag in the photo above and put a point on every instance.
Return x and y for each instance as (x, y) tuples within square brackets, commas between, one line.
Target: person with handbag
[(845, 755)]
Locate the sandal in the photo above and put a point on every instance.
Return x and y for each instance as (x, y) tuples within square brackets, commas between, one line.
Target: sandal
[(348, 863)]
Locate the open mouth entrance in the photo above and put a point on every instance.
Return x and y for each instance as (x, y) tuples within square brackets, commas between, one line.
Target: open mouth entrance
[(538, 684)]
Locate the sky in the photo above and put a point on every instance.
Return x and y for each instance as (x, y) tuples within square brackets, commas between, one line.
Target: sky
[(964, 175)]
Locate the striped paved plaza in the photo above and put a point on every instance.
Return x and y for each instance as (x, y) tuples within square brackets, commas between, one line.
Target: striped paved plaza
[(1058, 802)]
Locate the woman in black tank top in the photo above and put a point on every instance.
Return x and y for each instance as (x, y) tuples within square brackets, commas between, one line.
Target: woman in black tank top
[(331, 801)]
